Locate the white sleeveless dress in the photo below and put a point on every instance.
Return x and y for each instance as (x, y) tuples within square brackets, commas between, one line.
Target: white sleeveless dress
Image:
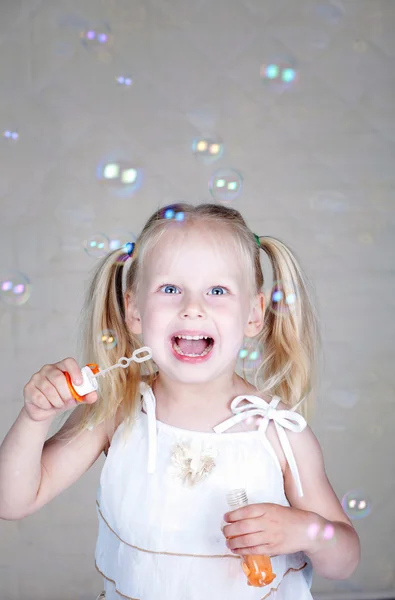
[(161, 501)]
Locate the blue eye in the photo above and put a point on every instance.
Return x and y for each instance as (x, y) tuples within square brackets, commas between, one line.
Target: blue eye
[(218, 287), (168, 286)]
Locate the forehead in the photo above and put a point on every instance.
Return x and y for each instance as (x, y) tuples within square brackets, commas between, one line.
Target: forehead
[(189, 251)]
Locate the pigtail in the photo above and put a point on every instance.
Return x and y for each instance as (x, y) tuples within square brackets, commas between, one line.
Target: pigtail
[(103, 338), (290, 337)]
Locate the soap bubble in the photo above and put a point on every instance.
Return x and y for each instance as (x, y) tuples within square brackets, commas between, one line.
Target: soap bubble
[(356, 505), (15, 288), (118, 239), (172, 211), (330, 201), (250, 356), (97, 245), (121, 176), (207, 149), (331, 12), (108, 339), (94, 38), (283, 298), (344, 398), (225, 185), (124, 81), (279, 75), (10, 134), (315, 531)]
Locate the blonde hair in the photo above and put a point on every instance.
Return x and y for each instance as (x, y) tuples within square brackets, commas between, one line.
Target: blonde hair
[(289, 338)]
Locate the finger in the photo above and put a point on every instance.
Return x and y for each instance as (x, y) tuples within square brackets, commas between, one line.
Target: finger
[(90, 398), (47, 389), (262, 550), (57, 378), (252, 540), (38, 399), (245, 512), (71, 366), (243, 527)]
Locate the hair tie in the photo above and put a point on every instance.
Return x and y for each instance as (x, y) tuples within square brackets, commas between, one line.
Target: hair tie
[(257, 240), (129, 248)]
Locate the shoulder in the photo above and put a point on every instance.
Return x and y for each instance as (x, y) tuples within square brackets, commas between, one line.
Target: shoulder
[(296, 439), (111, 425)]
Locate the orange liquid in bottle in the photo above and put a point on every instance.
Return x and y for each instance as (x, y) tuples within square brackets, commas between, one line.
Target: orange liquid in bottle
[(257, 568)]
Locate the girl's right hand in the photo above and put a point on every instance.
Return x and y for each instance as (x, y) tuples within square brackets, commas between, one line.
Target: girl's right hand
[(47, 394)]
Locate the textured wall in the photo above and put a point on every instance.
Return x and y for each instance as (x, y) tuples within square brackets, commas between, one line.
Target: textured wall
[(315, 158)]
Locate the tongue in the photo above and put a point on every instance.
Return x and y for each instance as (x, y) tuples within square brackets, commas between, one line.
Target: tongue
[(192, 346)]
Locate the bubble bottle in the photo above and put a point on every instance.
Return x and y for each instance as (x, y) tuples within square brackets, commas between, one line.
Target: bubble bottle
[(91, 372), (258, 568)]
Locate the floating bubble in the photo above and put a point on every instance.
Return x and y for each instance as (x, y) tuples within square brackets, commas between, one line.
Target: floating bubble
[(356, 505), (250, 356), (119, 239), (172, 211), (283, 298), (328, 533), (121, 176), (96, 37), (331, 12), (124, 81), (108, 339), (98, 40), (207, 150), (279, 75), (9, 134), (330, 201), (225, 185), (97, 245), (15, 288), (313, 530), (316, 531), (344, 398)]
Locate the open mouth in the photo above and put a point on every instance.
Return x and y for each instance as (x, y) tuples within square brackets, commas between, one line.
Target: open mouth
[(192, 346)]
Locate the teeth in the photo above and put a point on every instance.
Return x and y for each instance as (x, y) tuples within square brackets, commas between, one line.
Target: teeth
[(193, 337)]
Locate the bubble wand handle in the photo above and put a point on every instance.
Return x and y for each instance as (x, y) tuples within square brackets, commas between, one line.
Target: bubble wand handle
[(91, 372)]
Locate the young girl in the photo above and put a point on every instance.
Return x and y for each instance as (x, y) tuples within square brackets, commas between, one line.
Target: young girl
[(183, 429)]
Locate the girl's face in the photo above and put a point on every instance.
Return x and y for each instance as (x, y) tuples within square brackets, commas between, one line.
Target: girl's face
[(193, 280)]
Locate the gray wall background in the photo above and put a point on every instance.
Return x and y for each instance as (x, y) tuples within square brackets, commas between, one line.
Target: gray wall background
[(317, 161)]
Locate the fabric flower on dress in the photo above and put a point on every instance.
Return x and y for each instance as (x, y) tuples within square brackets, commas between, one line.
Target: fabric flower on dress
[(192, 462)]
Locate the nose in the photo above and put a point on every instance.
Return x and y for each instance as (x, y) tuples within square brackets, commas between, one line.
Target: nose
[(192, 308)]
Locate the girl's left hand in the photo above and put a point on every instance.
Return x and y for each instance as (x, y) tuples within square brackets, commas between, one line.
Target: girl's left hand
[(269, 529)]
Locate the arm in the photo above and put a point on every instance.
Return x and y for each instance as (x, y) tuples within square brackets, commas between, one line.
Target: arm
[(20, 466), (338, 557), (33, 471)]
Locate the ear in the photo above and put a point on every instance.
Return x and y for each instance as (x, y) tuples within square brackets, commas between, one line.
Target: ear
[(256, 316), (132, 315)]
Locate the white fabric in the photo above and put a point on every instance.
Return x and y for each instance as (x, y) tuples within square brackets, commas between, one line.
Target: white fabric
[(160, 538), (281, 418)]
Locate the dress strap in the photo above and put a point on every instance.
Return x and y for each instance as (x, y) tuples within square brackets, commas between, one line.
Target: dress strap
[(149, 403), (287, 419)]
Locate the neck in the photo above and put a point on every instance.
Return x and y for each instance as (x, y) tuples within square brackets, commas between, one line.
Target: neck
[(213, 396)]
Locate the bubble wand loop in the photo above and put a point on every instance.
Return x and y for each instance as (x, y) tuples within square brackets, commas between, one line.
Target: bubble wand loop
[(124, 362), (91, 372)]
